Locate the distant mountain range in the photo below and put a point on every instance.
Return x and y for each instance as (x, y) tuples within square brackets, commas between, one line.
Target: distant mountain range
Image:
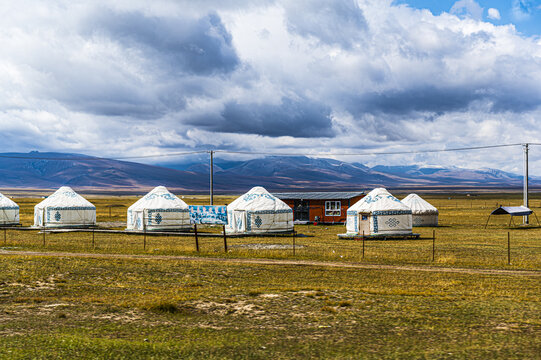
[(38, 170)]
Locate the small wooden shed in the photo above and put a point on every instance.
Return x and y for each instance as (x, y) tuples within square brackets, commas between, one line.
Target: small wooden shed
[(322, 207)]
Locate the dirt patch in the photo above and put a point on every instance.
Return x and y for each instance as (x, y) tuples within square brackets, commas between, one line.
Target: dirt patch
[(111, 224), (266, 246), (127, 317)]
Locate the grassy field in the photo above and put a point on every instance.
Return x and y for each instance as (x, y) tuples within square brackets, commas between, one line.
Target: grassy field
[(68, 307), (461, 239)]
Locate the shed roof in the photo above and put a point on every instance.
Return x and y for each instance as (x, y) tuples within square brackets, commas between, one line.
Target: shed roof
[(512, 210), (327, 195)]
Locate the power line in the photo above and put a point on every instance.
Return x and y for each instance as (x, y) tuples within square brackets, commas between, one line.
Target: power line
[(370, 153), (134, 157)]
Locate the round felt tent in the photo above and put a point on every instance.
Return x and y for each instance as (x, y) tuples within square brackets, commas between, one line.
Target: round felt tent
[(379, 213), (423, 213), (9, 211), (64, 208), (158, 210), (258, 212)]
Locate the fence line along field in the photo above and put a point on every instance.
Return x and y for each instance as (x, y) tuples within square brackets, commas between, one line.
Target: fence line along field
[(461, 239), (112, 307)]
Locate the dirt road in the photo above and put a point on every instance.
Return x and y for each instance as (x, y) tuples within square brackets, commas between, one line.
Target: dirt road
[(279, 262)]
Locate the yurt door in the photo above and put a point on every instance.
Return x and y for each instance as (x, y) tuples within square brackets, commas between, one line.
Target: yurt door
[(364, 224), (239, 221), (38, 217)]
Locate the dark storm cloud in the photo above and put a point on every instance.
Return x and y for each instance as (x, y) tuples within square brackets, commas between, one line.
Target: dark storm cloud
[(179, 57), (186, 45), (332, 22), (431, 99), (290, 118), (439, 100)]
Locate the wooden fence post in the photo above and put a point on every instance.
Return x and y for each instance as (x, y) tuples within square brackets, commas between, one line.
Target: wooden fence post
[(144, 235), (363, 244), (43, 237), (433, 245), (225, 239), (294, 233), (93, 243), (196, 239), (508, 248), (5, 236)]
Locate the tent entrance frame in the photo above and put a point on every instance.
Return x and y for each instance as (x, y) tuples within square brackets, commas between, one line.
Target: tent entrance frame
[(364, 223)]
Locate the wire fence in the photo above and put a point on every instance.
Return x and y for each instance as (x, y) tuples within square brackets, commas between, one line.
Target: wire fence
[(499, 248)]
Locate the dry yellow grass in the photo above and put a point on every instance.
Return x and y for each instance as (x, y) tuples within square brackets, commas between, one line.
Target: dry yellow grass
[(461, 239)]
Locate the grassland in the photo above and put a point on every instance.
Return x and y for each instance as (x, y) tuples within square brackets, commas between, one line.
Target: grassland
[(461, 239), (68, 307)]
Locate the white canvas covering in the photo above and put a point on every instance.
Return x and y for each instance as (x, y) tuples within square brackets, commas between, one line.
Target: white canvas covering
[(158, 210), (379, 213), (258, 212), (424, 214), (9, 211), (64, 208)]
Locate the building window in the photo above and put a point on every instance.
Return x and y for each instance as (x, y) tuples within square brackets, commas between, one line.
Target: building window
[(333, 208)]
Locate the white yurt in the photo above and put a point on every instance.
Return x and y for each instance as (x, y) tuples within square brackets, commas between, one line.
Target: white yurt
[(158, 210), (9, 211), (379, 213), (424, 214), (64, 208), (258, 212)]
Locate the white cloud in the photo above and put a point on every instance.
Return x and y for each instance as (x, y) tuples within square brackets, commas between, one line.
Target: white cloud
[(467, 8), (155, 77), (494, 14)]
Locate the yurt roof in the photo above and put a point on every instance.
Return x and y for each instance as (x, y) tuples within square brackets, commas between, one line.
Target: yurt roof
[(65, 197), (418, 205), (258, 199), (6, 202), (378, 199), (159, 198)]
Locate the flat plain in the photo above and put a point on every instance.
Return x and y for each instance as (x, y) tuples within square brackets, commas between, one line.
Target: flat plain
[(166, 300)]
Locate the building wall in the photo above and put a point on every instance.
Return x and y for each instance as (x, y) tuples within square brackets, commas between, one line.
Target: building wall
[(317, 209)]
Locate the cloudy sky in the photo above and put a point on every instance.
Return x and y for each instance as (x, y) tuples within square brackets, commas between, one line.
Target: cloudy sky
[(140, 77)]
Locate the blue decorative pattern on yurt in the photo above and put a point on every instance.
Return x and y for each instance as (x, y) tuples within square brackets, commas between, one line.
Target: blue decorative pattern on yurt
[(249, 197), (151, 212), (392, 212), (167, 196), (392, 222), (249, 215), (49, 209)]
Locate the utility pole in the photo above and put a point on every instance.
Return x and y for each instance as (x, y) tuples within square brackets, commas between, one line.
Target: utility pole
[(211, 177), (526, 218)]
